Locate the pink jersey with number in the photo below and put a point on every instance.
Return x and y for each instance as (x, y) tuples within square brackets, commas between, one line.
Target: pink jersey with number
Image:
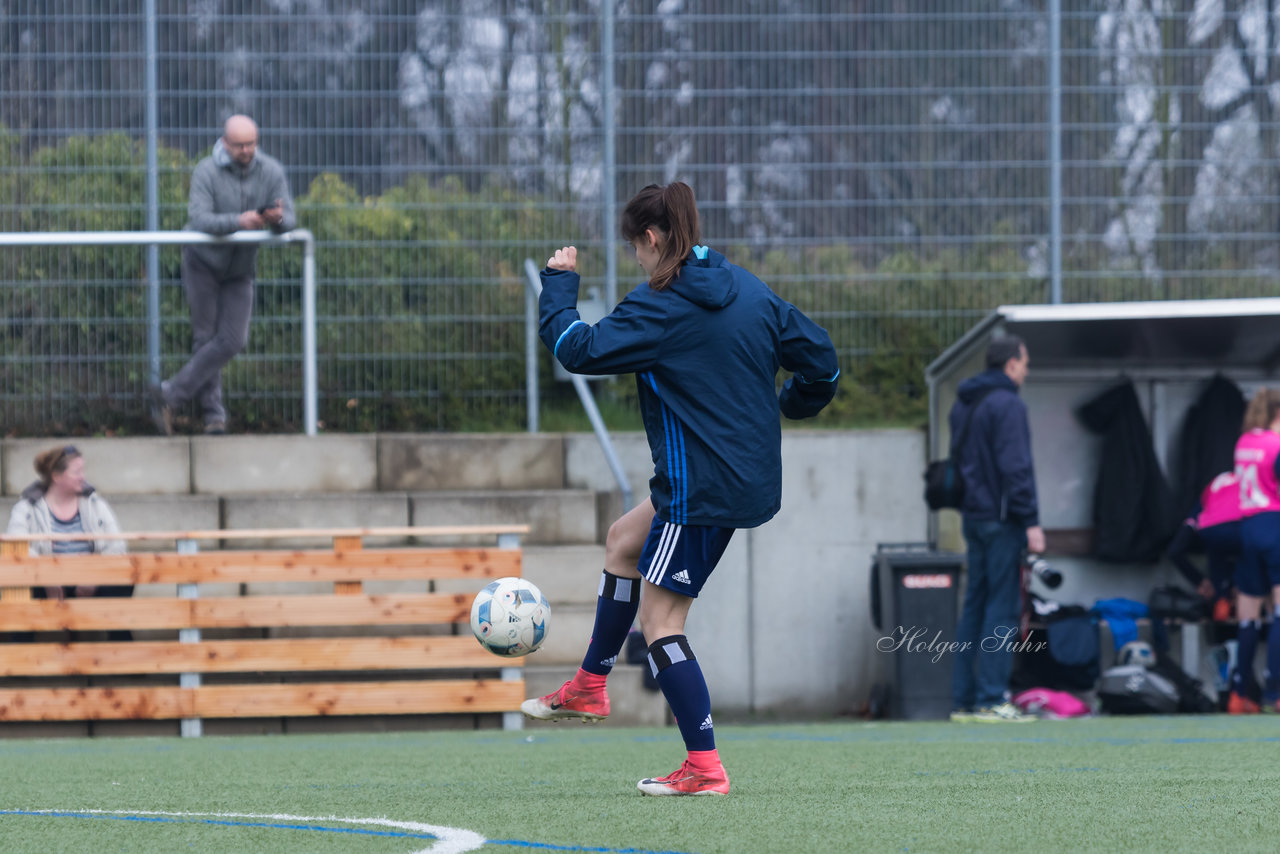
[(1220, 501), (1256, 454)]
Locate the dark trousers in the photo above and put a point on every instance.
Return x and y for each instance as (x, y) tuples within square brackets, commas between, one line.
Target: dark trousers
[(220, 313), (989, 620)]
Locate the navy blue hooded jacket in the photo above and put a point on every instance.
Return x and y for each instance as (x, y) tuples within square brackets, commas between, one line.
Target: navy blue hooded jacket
[(705, 351), (995, 460)]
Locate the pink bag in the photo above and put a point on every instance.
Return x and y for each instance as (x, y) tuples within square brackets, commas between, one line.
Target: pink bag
[(1050, 704)]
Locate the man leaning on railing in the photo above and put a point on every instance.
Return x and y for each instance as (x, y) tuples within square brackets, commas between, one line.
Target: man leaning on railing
[(236, 188)]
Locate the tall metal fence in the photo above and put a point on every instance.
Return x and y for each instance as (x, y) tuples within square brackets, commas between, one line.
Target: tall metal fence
[(896, 170)]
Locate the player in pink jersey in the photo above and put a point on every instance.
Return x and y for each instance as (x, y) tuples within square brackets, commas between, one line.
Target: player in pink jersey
[(1257, 457), (1213, 529)]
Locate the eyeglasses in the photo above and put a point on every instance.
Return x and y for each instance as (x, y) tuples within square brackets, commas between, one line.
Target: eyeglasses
[(242, 146)]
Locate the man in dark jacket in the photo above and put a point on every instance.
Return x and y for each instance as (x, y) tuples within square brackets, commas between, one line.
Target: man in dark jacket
[(237, 188), (1001, 518)]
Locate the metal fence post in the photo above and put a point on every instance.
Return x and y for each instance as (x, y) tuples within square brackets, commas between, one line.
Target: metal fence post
[(191, 727)]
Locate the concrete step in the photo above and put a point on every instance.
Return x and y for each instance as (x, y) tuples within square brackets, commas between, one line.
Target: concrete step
[(566, 574), (630, 703), (555, 517), (559, 516), (435, 461), (335, 462), (167, 513)]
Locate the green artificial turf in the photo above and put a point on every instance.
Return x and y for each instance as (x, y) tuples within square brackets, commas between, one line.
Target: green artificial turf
[(1109, 784)]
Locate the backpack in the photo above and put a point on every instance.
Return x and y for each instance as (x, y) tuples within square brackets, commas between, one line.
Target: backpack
[(1131, 689), (943, 485), (1172, 602), (1064, 656)]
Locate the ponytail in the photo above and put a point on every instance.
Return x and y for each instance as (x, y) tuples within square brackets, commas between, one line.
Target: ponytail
[(1262, 410), (671, 210)]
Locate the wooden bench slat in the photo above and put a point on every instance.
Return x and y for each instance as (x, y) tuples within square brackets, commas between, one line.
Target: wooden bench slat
[(386, 609), (85, 704), (348, 566), (251, 566), (246, 701), (277, 533), (248, 656), (365, 698)]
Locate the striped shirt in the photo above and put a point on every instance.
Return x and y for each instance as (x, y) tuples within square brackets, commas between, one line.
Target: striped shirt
[(70, 526)]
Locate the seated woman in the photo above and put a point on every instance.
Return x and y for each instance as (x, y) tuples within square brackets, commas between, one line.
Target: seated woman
[(62, 502)]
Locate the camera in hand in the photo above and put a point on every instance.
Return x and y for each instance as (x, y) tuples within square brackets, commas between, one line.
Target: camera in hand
[(262, 211), (1042, 571)]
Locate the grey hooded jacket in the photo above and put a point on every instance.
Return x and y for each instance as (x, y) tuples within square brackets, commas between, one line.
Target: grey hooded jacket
[(221, 190), (31, 516)]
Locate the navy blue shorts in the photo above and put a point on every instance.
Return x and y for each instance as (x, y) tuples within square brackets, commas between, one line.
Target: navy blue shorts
[(681, 557), (1222, 547), (1258, 569)]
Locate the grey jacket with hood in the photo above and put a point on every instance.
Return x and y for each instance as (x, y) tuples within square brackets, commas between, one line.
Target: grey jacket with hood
[(31, 515), (221, 190)]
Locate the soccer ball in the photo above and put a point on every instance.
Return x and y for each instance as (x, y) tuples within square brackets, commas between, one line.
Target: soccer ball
[(509, 617), (1137, 652)]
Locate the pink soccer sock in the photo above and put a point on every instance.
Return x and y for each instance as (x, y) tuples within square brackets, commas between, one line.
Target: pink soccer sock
[(705, 760), (589, 683)]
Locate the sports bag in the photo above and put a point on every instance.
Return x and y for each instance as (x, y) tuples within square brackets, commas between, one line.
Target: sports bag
[(1171, 602), (943, 486), (1131, 689), (1191, 696), (1050, 704), (1064, 655)]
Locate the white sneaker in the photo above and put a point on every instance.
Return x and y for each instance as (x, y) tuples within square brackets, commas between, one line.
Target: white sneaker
[(1005, 712)]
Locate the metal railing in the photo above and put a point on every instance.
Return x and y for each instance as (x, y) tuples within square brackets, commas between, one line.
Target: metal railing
[(171, 238)]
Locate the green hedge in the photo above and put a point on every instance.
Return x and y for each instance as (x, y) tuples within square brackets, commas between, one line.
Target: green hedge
[(421, 304)]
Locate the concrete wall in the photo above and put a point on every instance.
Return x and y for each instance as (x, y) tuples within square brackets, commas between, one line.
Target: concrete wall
[(782, 628)]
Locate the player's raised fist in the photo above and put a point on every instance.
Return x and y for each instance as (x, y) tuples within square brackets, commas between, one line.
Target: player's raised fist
[(566, 258)]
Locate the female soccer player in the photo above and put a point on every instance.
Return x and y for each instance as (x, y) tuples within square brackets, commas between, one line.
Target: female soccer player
[(1257, 464), (705, 340), (1214, 528)]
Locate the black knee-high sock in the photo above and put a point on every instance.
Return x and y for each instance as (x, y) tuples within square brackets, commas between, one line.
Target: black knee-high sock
[(1272, 690), (616, 606), (680, 678), (1242, 681)]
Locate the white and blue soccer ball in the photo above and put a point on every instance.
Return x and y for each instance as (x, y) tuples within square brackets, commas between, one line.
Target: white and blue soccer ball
[(509, 617), (1137, 652)]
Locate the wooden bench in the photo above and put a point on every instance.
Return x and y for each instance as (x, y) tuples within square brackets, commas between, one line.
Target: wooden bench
[(419, 631)]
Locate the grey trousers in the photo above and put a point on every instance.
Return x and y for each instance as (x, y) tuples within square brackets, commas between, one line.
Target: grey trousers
[(220, 312)]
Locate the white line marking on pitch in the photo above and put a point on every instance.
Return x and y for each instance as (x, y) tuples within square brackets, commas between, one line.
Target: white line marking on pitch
[(449, 840)]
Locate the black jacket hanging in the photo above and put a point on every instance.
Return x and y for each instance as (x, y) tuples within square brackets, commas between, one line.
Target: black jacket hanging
[(1133, 511), (1207, 441)]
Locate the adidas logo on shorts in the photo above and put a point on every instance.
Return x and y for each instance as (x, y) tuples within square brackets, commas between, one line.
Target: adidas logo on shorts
[(706, 724), (682, 576)]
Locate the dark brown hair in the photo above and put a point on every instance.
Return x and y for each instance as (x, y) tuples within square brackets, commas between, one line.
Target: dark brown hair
[(1262, 410), (670, 209), (1001, 350), (54, 461)]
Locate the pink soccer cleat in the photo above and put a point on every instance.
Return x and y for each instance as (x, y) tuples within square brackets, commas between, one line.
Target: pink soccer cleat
[(685, 780), (568, 703)]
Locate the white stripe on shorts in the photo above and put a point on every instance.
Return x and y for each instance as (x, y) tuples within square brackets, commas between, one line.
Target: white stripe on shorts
[(662, 555)]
